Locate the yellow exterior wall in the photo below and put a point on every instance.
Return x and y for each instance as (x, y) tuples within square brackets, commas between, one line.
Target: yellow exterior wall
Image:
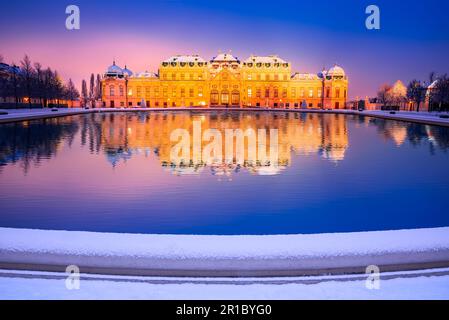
[(206, 84)]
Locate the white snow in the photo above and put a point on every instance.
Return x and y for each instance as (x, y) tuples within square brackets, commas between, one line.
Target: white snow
[(250, 253), (16, 286)]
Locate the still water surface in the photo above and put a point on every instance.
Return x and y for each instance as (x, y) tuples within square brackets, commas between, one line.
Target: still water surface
[(112, 172)]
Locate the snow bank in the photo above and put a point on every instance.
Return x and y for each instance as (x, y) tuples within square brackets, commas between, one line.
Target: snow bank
[(224, 255), (424, 287)]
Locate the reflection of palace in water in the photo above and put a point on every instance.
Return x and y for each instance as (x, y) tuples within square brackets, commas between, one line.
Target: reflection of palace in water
[(123, 135)]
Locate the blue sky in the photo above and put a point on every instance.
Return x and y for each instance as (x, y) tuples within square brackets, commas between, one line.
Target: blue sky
[(413, 39)]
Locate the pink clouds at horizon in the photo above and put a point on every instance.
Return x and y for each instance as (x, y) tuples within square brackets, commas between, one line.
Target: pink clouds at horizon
[(78, 58)]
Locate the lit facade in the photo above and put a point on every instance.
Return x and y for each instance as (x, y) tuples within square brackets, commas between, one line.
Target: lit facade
[(191, 81)]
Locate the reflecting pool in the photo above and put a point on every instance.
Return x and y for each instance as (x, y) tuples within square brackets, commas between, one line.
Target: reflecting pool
[(115, 172)]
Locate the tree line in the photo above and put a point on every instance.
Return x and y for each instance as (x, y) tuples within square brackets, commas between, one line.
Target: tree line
[(435, 91), (31, 81)]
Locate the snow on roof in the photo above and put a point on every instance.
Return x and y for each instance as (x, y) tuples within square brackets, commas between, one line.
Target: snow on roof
[(433, 85), (146, 74), (265, 59), (224, 57), (185, 58), (336, 71), (304, 76), (114, 69), (127, 72)]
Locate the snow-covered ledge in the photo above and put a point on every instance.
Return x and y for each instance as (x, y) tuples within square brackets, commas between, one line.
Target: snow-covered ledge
[(184, 255)]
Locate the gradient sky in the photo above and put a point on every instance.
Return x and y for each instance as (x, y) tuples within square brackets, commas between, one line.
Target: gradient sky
[(413, 40)]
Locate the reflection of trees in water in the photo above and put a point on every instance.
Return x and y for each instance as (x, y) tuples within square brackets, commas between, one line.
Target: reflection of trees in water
[(416, 134), (32, 141)]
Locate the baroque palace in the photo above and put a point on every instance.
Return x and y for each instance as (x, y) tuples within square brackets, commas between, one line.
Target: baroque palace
[(191, 81)]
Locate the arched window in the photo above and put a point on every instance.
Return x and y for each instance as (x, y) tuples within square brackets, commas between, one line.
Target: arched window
[(235, 97), (225, 97), (267, 92), (214, 97), (111, 91)]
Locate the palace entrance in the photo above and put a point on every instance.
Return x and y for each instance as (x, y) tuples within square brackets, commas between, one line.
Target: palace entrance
[(225, 97)]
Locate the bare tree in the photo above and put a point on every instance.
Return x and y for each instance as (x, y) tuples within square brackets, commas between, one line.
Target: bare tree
[(432, 76), (38, 83), (27, 77), (441, 93), (14, 87), (71, 93), (416, 92), (384, 94)]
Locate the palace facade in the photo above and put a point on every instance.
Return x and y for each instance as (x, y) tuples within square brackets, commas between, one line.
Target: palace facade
[(191, 81)]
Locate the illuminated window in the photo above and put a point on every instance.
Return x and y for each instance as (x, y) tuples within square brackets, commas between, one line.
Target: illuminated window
[(250, 77), (165, 92), (173, 92), (293, 92), (310, 93), (302, 93), (250, 92), (200, 91), (156, 92)]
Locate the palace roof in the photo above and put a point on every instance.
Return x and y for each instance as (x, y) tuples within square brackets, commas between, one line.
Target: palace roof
[(336, 71), (225, 57), (185, 58), (265, 59)]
